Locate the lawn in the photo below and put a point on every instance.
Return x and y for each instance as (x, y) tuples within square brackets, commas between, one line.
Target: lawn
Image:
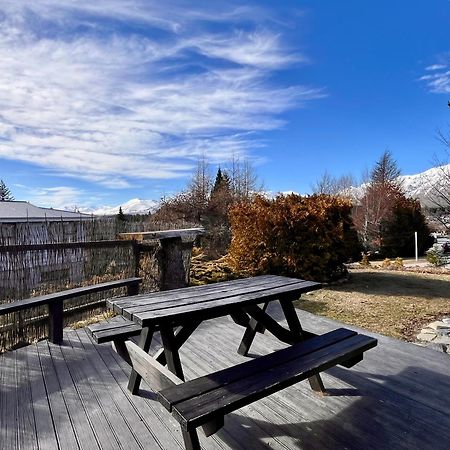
[(395, 303)]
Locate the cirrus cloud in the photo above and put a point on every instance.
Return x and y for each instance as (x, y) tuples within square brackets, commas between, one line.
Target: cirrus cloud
[(109, 91)]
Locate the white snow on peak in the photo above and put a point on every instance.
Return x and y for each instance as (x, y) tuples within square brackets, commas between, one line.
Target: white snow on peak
[(419, 186), (133, 206)]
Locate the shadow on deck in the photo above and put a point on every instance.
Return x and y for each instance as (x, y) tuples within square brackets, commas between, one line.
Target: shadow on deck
[(75, 396)]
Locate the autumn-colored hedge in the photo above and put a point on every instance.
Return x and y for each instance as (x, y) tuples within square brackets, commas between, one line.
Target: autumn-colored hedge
[(307, 237)]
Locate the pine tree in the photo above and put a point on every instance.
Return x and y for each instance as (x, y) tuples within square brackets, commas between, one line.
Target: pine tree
[(121, 216), (219, 181), (5, 193)]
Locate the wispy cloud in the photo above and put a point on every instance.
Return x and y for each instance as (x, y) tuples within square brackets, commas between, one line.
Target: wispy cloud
[(111, 91), (438, 81), (436, 67), (60, 197)]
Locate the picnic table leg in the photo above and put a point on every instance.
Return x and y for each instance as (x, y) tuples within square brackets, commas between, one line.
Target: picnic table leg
[(252, 328), (145, 340), (294, 325), (181, 336), (190, 439), (171, 354), (172, 357)]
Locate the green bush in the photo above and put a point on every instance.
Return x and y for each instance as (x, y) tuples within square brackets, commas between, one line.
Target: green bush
[(307, 237), (435, 257)]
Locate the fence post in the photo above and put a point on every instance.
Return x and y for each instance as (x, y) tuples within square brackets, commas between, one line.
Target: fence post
[(56, 316), (133, 289), (173, 272)]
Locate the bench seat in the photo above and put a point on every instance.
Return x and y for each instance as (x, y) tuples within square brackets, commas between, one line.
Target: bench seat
[(116, 329), (207, 399)]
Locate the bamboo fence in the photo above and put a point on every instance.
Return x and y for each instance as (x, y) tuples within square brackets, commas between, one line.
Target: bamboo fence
[(43, 257)]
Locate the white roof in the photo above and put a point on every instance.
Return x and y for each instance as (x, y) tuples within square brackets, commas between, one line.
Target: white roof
[(19, 211)]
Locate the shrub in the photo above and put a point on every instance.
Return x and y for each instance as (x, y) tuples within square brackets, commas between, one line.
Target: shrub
[(364, 260), (308, 237), (435, 257), (386, 263)]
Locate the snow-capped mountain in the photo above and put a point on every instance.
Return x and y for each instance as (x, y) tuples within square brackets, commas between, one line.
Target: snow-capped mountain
[(133, 206), (422, 185), (419, 186)]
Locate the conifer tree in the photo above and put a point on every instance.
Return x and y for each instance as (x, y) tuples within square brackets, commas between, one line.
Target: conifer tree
[(5, 193)]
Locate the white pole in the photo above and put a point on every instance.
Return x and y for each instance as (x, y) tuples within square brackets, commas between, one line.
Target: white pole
[(415, 241)]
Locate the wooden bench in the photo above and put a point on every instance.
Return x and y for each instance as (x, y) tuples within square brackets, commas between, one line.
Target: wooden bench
[(55, 302), (117, 329), (205, 401)]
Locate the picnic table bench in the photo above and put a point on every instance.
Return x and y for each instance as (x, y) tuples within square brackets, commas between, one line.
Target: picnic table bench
[(204, 402)]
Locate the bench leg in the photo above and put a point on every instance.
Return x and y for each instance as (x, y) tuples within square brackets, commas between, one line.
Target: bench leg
[(55, 312), (144, 342), (250, 332), (191, 441)]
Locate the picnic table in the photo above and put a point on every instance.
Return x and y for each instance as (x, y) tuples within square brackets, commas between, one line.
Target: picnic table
[(176, 314)]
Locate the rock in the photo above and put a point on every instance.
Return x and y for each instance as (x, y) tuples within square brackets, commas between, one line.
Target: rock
[(438, 325), (445, 340), (428, 337), (446, 320)]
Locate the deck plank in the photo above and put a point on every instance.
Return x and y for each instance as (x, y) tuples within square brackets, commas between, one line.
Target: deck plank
[(75, 357), (129, 415), (104, 391), (26, 426), (85, 436), (46, 435), (60, 414), (8, 394)]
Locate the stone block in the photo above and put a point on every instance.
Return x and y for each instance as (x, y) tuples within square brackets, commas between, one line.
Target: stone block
[(438, 325), (428, 337)]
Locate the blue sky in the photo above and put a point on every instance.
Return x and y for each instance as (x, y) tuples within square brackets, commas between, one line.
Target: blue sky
[(109, 100)]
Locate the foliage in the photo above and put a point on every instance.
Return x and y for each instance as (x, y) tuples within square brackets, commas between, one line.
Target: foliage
[(364, 260), (291, 235), (5, 193), (386, 263), (385, 218), (397, 231), (205, 203), (435, 257), (376, 205)]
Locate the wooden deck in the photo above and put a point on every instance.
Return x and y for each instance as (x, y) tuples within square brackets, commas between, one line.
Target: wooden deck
[(74, 396)]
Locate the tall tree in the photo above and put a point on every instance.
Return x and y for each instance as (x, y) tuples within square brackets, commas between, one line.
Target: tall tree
[(5, 193), (243, 178), (375, 207), (338, 186), (199, 189)]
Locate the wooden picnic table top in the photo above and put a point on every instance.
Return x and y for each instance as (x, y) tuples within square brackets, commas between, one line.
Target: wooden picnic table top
[(208, 301)]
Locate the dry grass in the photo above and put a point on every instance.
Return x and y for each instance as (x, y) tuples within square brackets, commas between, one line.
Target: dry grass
[(94, 319), (395, 303)]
